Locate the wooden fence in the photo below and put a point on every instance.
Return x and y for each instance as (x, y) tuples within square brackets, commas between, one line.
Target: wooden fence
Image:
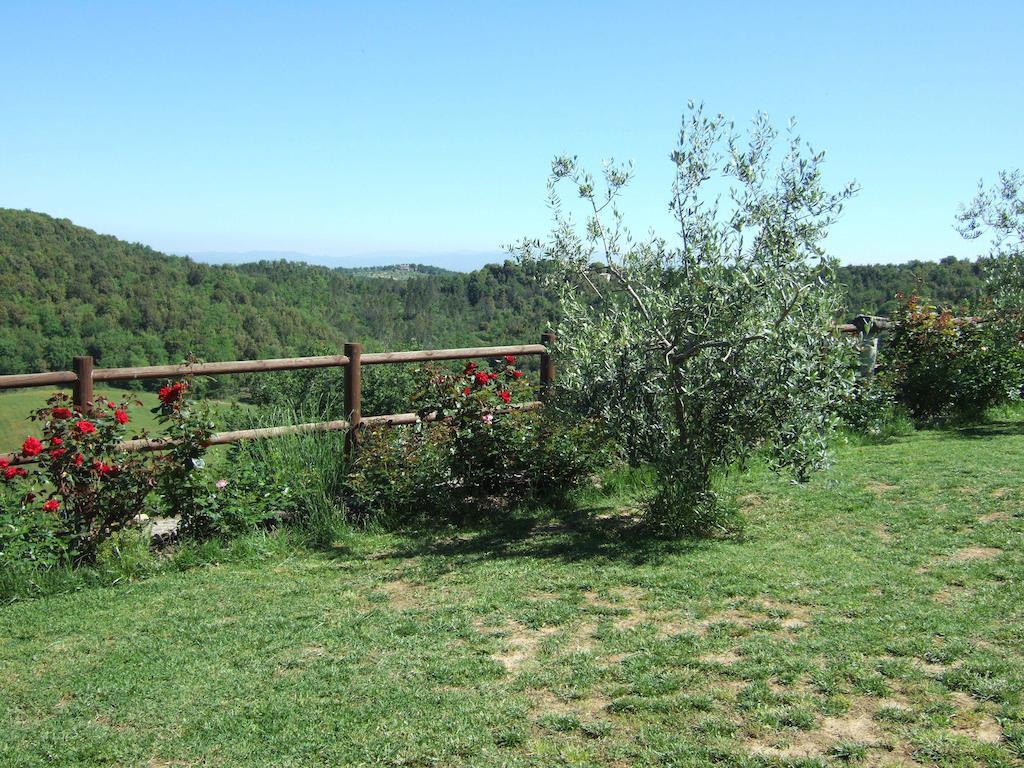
[(84, 376)]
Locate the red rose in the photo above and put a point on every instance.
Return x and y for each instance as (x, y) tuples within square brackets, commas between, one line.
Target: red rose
[(85, 427), (79, 459), (505, 395), (111, 405), (51, 506), (4, 463), (466, 391), (31, 447), (56, 441), (517, 374), (481, 379), (12, 472), (61, 413), (56, 453), (510, 359), (170, 394), (492, 376), (121, 417), (470, 368), (100, 468)]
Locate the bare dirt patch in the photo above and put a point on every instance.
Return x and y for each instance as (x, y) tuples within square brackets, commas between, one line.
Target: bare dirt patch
[(619, 597), (582, 638), (950, 594), (973, 721), (967, 554), (857, 726), (750, 501), (404, 595), (520, 643), (1000, 493), (930, 668), (544, 702), (994, 517), (879, 488), (789, 616), (725, 658), (883, 533)]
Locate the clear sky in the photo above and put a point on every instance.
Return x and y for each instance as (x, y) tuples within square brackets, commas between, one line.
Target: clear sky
[(388, 128)]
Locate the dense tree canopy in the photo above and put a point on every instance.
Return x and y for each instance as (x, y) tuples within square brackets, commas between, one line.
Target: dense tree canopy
[(65, 290)]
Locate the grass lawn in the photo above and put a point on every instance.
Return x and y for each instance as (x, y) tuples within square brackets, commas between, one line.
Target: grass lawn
[(875, 615)]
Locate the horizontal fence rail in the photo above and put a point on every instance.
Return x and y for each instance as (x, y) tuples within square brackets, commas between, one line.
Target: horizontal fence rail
[(84, 375)]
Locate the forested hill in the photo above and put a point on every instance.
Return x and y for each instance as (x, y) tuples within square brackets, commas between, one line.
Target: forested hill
[(65, 290), (871, 288)]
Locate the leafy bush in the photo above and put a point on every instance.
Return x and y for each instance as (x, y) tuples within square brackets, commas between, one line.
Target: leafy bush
[(871, 410), (484, 442), (398, 473), (299, 478), (944, 368), (82, 489)]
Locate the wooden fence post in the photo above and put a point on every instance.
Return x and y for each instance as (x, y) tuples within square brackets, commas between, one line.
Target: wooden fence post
[(547, 364), (353, 396), (81, 390)]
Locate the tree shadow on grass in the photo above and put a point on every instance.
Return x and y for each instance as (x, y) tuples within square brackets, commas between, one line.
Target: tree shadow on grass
[(990, 429), (585, 533)]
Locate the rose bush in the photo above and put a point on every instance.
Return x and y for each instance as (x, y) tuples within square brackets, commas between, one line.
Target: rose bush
[(475, 442), (942, 368), (80, 490)]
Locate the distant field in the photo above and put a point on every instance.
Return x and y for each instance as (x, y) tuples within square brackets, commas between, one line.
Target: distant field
[(15, 406)]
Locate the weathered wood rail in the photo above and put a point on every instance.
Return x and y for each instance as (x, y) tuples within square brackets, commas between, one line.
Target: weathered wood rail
[(84, 376)]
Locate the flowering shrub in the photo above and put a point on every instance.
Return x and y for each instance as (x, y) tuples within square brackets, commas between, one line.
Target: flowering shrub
[(478, 404), (81, 489), (184, 488), (942, 367), (400, 472), (478, 445)]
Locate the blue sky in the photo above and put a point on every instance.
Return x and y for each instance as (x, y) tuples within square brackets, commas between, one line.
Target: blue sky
[(427, 129)]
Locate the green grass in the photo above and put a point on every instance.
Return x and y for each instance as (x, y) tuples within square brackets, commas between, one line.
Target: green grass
[(17, 404), (874, 616)]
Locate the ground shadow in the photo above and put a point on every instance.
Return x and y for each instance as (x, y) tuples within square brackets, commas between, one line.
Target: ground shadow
[(574, 535), (990, 429)]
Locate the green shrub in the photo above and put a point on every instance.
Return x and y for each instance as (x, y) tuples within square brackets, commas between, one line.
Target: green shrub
[(480, 438), (28, 535), (300, 478), (871, 410), (942, 368), (400, 472), (80, 490)]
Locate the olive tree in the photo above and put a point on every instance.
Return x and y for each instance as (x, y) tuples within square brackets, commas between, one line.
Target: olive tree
[(999, 212), (701, 349)]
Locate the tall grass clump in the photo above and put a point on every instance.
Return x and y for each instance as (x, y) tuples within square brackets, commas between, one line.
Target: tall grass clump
[(303, 475)]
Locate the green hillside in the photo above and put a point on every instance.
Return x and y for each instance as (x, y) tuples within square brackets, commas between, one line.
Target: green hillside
[(65, 290)]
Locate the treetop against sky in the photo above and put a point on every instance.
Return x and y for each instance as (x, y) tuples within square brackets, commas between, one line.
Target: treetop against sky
[(420, 129)]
